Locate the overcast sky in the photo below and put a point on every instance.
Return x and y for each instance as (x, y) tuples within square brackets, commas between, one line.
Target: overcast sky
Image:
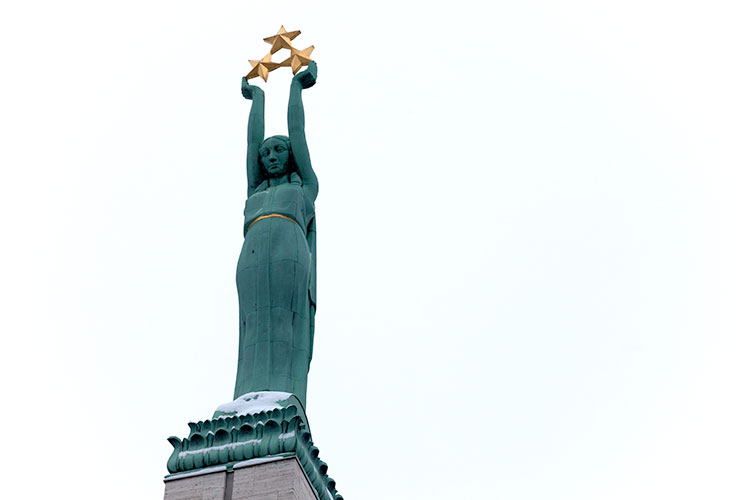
[(533, 233)]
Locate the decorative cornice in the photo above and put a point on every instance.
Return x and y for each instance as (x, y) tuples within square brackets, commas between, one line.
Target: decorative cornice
[(229, 440)]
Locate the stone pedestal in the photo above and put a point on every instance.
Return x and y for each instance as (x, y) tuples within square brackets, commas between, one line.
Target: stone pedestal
[(271, 478), (258, 428)]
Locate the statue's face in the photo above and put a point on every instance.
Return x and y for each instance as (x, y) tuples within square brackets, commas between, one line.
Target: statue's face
[(275, 157)]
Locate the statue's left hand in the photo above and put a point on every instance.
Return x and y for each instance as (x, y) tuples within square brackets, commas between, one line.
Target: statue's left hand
[(308, 77)]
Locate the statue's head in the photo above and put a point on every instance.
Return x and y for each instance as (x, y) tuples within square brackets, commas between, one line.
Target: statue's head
[(275, 155)]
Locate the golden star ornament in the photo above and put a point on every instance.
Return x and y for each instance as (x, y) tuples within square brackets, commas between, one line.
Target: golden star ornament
[(298, 58), (282, 39), (262, 68)]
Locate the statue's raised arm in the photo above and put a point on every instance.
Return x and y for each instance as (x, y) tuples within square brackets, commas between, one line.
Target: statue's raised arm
[(255, 132), (296, 123)]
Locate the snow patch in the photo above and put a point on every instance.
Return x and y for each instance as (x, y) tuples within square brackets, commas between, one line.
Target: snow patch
[(253, 402), (183, 454), (183, 475), (263, 460)]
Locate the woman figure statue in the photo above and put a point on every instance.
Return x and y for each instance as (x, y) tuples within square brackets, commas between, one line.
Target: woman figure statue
[(276, 269)]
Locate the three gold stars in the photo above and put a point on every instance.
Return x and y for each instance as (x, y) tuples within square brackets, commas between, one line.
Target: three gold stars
[(281, 40)]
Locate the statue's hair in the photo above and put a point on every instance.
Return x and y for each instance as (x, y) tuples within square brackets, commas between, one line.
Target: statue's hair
[(291, 165)]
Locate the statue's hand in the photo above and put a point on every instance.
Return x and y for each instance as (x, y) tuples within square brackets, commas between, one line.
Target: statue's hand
[(308, 77), (249, 91)]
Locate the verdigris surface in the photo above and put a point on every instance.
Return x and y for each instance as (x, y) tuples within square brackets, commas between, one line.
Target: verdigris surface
[(276, 269)]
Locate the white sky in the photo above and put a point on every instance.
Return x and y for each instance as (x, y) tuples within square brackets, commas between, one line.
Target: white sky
[(532, 231)]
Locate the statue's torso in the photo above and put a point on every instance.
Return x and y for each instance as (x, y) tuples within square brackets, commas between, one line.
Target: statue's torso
[(286, 199)]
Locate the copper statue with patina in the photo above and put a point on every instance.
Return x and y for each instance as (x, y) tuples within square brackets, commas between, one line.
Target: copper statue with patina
[(276, 269)]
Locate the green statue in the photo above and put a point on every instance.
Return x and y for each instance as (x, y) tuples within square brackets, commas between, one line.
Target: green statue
[(276, 269)]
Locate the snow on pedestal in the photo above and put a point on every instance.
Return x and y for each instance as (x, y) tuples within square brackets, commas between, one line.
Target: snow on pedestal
[(254, 402)]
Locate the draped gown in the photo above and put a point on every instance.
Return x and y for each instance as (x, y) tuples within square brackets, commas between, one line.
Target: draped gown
[(276, 289)]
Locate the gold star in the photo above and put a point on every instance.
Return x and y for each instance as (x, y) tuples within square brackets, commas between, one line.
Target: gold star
[(282, 39), (262, 68), (298, 58)]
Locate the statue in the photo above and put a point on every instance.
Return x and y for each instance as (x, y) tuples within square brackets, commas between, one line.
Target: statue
[(276, 268), (276, 290)]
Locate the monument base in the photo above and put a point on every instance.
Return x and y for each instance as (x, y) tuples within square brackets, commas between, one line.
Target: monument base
[(256, 447), (277, 478)]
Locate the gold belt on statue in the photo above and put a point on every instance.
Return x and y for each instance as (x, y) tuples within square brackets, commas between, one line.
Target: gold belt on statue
[(270, 216)]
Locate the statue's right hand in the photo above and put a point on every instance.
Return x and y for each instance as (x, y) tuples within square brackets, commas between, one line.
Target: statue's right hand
[(248, 91)]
